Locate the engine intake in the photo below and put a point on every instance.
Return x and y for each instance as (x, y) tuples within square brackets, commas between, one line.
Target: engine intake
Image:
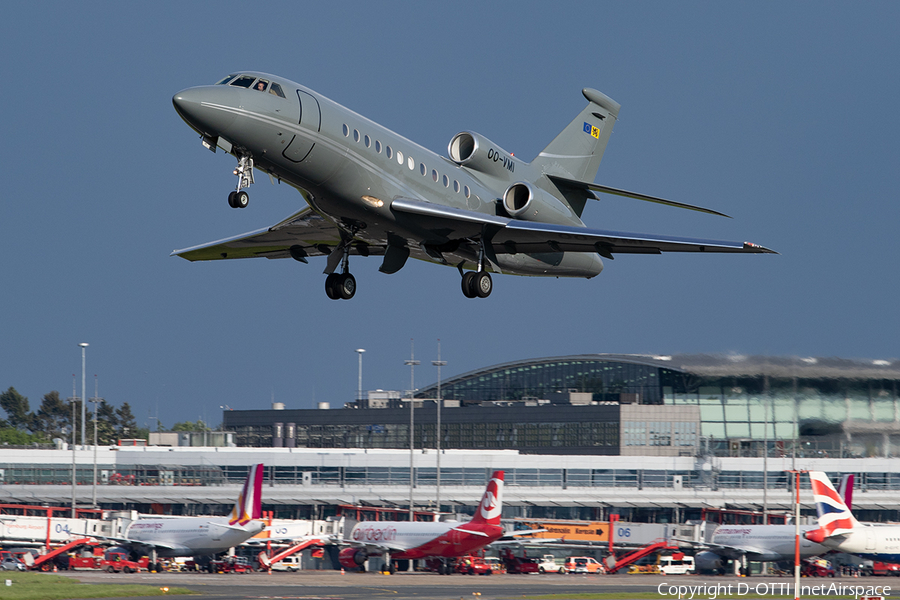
[(473, 150), (352, 558), (517, 199)]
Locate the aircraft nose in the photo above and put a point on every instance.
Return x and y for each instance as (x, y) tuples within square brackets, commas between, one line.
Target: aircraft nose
[(208, 109)]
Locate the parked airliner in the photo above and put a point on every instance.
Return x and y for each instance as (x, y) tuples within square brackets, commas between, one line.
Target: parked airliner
[(403, 540), (199, 536), (371, 191), (839, 530)]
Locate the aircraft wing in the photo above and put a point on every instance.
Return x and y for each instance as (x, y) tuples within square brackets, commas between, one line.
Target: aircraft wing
[(307, 229), (509, 236), (121, 540)]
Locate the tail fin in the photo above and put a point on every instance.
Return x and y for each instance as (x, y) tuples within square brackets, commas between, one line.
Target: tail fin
[(492, 502), (835, 517), (846, 489), (249, 503), (577, 151)]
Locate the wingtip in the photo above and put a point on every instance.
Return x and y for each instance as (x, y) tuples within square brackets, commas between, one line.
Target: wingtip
[(750, 246)]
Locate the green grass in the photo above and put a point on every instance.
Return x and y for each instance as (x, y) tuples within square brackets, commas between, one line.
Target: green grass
[(644, 595), (45, 586)]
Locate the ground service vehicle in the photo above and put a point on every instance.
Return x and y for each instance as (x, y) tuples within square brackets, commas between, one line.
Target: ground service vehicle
[(551, 564), (231, 564), (473, 565), (583, 564), (288, 563), (817, 568), (676, 564), (877, 567)]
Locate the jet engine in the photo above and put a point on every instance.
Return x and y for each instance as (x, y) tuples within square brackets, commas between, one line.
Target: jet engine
[(709, 561), (352, 558), (473, 150), (524, 201)]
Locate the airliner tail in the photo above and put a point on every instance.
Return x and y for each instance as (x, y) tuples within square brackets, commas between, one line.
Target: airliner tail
[(491, 505), (249, 503)]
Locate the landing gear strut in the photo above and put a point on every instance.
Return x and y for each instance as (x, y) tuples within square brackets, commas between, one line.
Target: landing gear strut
[(244, 171), (341, 286)]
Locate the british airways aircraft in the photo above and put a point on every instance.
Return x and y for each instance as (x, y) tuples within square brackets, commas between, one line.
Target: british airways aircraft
[(200, 536), (839, 530), (372, 192), (404, 540)]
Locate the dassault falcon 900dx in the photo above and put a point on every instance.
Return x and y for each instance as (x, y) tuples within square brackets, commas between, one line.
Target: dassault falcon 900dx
[(371, 191)]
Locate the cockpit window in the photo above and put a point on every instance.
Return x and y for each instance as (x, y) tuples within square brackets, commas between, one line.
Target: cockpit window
[(276, 89), (226, 80), (243, 81), (261, 85)]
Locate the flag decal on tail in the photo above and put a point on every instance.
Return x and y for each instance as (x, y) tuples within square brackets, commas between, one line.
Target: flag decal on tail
[(249, 502), (594, 131), (834, 516)]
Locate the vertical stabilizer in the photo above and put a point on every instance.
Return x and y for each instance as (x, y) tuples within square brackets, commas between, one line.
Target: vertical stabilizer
[(846, 489), (491, 504), (835, 517), (577, 151), (249, 502)]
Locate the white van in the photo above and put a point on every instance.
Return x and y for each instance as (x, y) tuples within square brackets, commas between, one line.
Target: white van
[(676, 564), (288, 563)]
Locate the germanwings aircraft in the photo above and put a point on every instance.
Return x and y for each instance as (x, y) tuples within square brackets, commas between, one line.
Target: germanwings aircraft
[(200, 536), (839, 530), (372, 192), (763, 543), (404, 540)]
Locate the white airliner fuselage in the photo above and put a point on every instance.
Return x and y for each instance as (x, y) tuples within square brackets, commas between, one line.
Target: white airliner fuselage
[(190, 536)]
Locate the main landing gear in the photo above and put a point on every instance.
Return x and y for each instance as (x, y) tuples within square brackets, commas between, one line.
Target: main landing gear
[(340, 286), (244, 171), (477, 284)]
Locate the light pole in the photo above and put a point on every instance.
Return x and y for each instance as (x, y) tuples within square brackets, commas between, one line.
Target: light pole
[(438, 363), (412, 362), (96, 400), (74, 399), (83, 396), (359, 351)]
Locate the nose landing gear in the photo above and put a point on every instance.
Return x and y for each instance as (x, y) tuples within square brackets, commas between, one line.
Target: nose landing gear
[(244, 171), (340, 286)]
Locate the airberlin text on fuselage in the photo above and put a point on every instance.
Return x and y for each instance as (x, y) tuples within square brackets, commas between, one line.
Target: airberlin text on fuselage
[(374, 534)]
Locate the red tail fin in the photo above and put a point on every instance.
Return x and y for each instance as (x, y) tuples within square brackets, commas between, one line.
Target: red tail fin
[(249, 503), (491, 504)]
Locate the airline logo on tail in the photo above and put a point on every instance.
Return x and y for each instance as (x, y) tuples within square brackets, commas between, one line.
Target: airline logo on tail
[(249, 503), (492, 502), (834, 516)]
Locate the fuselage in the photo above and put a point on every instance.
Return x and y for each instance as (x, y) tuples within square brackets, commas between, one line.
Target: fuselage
[(350, 168), (190, 536), (416, 540), (764, 542), (869, 541)]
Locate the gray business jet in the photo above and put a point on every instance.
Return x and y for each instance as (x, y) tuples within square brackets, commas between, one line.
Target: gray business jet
[(371, 191)]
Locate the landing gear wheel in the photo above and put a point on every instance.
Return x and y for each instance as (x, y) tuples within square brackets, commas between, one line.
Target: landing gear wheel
[(468, 287), (231, 199), (330, 287), (483, 284), (346, 286), (241, 199)]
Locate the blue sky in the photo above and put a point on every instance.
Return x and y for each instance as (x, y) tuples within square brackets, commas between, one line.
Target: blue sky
[(782, 115)]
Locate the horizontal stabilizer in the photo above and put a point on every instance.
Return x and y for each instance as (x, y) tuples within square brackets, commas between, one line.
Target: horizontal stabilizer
[(605, 189)]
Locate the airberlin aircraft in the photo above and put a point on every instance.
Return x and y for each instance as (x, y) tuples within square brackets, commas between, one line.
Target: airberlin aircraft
[(404, 540), (372, 192)]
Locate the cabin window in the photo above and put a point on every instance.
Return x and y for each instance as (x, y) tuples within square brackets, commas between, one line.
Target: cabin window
[(410, 163), (368, 141), (399, 157), (467, 191), (446, 181), (276, 90), (378, 146), (423, 169), (226, 80), (356, 135), (261, 85), (346, 130), (388, 152), (434, 175), (456, 186)]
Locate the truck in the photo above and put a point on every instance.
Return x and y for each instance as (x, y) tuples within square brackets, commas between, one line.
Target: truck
[(551, 564), (877, 567), (676, 564), (583, 564), (111, 561)]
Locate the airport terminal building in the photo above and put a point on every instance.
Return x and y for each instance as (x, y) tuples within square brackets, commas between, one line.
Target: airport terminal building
[(607, 404)]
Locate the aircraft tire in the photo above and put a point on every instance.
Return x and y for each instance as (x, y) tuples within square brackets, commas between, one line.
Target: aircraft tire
[(468, 286), (231, 199), (345, 286), (331, 287), (483, 284), (241, 199)]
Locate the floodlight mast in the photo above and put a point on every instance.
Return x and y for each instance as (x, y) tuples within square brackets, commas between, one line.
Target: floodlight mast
[(438, 363), (412, 362)]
